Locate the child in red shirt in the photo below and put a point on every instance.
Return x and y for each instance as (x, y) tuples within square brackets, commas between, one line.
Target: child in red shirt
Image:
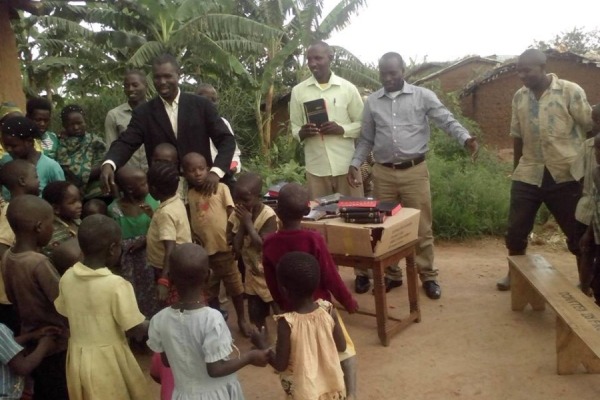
[(292, 205)]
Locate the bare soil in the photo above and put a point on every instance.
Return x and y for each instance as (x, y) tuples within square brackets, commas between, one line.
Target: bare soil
[(469, 344)]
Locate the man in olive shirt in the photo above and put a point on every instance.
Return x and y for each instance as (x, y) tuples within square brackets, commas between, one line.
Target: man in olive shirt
[(396, 128)]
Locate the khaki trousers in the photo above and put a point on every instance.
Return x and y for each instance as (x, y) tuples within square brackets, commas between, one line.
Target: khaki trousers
[(319, 186), (411, 188)]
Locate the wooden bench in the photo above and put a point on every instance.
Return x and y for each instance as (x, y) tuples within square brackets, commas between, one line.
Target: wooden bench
[(534, 281)]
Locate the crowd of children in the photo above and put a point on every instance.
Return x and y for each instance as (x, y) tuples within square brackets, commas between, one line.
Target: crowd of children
[(82, 277)]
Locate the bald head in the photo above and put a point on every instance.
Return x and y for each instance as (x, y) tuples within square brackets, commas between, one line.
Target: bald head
[(292, 202), (188, 265)]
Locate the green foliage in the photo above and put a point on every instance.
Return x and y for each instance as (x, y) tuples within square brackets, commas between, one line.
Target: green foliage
[(576, 40), (469, 199)]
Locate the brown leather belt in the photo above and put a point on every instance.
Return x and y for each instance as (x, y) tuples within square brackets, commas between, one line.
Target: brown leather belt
[(405, 164)]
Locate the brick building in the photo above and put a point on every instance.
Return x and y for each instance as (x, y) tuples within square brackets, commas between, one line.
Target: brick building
[(487, 100), (456, 75)]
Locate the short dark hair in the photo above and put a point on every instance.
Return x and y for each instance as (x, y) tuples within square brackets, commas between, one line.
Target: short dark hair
[(68, 109), (189, 265), (166, 58), (94, 206), (252, 181), (535, 55), (137, 72), (292, 203), (54, 192), (13, 171), (299, 273), (37, 103), (21, 127), (25, 210), (164, 177), (393, 56), (96, 233), (204, 86), (325, 45)]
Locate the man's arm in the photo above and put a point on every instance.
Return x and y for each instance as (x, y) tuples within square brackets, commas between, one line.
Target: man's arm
[(221, 137), (110, 128), (515, 131), (366, 139), (517, 151), (355, 112), (128, 142), (580, 109), (296, 114), (444, 119)]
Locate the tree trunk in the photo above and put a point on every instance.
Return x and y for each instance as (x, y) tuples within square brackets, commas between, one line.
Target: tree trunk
[(11, 87), (268, 114)]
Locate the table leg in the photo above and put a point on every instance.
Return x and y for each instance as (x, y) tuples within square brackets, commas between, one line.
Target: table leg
[(413, 287), (381, 302)]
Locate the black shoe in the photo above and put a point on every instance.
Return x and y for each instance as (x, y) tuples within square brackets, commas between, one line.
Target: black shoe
[(390, 284), (362, 284), (432, 289)]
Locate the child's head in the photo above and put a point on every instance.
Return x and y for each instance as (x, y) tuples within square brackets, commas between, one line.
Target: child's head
[(73, 120), (248, 190), (298, 275), (92, 207), (195, 169), (132, 181), (31, 218), (165, 152), (20, 177), (596, 117), (292, 203), (18, 134), (39, 110), (65, 255), (163, 180), (100, 240), (188, 266), (65, 199), (207, 90)]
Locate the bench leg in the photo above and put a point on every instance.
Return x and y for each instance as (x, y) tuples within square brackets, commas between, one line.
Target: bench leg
[(521, 293), (571, 351)]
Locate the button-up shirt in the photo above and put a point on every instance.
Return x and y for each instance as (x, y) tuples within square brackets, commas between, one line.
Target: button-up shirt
[(396, 126), (583, 168), (116, 122), (552, 129), (172, 111), (328, 155)]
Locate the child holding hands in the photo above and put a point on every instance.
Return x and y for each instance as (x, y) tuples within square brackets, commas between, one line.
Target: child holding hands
[(101, 310), (194, 339), (309, 335), (250, 223)]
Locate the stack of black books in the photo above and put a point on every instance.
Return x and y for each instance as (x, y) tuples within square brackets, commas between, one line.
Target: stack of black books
[(366, 210)]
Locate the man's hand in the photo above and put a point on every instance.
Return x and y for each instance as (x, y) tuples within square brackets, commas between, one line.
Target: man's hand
[(331, 128), (473, 147), (353, 177), (107, 177), (308, 131), (209, 186)]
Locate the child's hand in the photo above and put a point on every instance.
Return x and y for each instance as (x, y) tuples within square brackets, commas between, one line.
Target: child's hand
[(243, 214), (259, 338), (51, 331), (139, 244), (147, 209), (48, 343), (259, 358), (163, 293)]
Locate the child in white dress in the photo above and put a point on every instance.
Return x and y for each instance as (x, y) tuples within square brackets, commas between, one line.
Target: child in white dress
[(193, 339)]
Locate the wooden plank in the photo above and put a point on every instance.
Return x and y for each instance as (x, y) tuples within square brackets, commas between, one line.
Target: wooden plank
[(579, 312)]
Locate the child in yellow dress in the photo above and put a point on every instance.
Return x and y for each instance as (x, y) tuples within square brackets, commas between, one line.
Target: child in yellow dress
[(309, 336), (102, 311)]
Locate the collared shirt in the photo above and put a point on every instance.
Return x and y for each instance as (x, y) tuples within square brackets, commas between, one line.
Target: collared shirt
[(552, 130), (328, 155), (236, 154), (583, 168), (116, 122), (396, 128), (169, 223), (172, 111)]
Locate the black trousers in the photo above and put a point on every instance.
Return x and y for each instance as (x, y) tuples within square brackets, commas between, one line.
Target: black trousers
[(525, 200)]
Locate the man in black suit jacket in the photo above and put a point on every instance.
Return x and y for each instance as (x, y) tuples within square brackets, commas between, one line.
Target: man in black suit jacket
[(185, 120)]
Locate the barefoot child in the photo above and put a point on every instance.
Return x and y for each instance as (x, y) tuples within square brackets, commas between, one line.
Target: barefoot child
[(208, 216), (101, 309), (194, 339), (249, 224), (309, 335), (169, 225), (18, 136), (292, 205), (31, 283), (65, 199), (133, 212)]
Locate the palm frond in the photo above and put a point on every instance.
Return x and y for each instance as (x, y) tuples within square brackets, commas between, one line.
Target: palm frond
[(146, 53), (339, 17)]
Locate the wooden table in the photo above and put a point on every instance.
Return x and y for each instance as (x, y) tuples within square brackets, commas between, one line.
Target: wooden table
[(387, 325)]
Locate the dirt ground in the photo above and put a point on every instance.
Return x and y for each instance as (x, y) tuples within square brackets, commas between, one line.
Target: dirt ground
[(469, 344)]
